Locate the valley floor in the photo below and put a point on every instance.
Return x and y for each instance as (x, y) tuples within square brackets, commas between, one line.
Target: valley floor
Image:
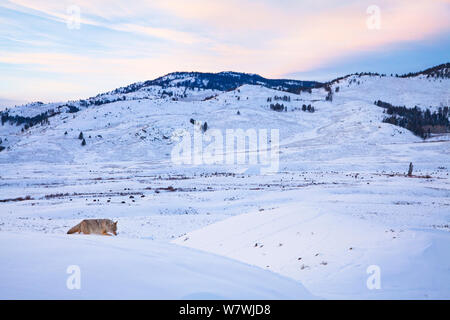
[(321, 229)]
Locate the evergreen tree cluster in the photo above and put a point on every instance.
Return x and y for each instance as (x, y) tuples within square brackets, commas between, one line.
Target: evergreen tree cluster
[(308, 108), (300, 89), (416, 120), (278, 107), (441, 71), (28, 122), (166, 93), (283, 98), (329, 96), (204, 126), (223, 81), (99, 102), (81, 137), (72, 109)]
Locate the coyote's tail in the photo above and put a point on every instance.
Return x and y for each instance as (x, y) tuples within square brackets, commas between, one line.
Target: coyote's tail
[(77, 228)]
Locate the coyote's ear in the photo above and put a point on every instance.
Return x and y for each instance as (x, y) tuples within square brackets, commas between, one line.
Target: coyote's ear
[(116, 223)]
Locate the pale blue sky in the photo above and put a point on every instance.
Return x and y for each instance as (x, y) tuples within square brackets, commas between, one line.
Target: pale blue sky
[(120, 42)]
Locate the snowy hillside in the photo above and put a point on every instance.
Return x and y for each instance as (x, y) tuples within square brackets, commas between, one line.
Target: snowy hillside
[(416, 91), (335, 201)]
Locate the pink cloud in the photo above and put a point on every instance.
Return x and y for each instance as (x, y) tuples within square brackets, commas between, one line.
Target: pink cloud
[(299, 40), (265, 37)]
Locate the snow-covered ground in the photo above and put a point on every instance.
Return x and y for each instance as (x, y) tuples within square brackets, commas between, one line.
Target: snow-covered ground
[(330, 252), (339, 203), (37, 266)]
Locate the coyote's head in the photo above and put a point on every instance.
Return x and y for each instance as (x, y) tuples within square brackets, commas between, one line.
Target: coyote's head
[(113, 227)]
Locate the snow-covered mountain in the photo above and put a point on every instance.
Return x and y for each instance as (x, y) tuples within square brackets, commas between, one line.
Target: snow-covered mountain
[(176, 86), (142, 117)]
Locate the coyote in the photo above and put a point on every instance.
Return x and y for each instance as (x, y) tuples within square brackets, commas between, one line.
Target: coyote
[(95, 226)]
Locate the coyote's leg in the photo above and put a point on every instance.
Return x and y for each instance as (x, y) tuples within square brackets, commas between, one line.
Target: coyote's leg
[(84, 228)]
